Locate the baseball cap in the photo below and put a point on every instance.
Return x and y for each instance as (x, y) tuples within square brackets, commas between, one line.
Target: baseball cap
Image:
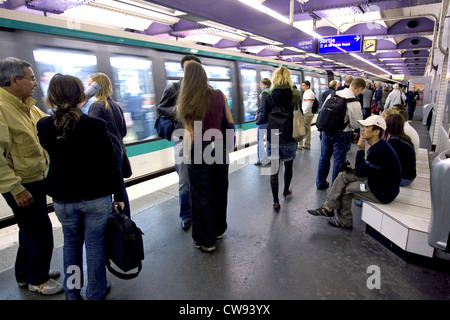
[(374, 120)]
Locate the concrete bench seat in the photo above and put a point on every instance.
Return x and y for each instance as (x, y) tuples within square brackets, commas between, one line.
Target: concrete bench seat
[(405, 220)]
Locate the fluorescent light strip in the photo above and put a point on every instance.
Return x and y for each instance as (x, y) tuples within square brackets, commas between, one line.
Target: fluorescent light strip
[(368, 62), (258, 6)]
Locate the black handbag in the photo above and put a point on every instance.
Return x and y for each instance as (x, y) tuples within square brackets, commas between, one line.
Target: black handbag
[(124, 245), (164, 127)]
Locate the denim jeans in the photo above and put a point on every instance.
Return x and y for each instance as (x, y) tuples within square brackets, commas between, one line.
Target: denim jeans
[(261, 150), (183, 187), (331, 145), (84, 222), (35, 235)]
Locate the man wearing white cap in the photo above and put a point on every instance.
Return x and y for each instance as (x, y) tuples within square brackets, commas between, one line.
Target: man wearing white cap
[(375, 178)]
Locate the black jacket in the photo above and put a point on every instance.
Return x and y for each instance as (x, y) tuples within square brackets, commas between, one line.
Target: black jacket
[(84, 165), (279, 110), (167, 105), (382, 169)]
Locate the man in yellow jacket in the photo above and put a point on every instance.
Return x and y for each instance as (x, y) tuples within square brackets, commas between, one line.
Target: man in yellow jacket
[(23, 165)]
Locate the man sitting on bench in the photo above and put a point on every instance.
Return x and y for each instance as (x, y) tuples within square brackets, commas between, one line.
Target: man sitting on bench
[(375, 178)]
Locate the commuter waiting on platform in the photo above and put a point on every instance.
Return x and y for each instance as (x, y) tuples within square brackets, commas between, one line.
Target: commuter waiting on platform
[(82, 176), (403, 146), (336, 143), (395, 97), (411, 99), (307, 103), (109, 110), (409, 130), (374, 178), (200, 104), (167, 107), (278, 108), (262, 126), (23, 166)]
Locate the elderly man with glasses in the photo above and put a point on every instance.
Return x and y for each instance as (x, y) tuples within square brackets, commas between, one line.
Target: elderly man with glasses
[(23, 165)]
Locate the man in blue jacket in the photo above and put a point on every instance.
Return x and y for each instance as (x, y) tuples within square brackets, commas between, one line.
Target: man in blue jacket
[(375, 178)]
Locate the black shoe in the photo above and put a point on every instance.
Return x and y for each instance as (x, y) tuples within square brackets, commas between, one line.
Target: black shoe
[(258, 164), (334, 221), (186, 224), (322, 212), (327, 184)]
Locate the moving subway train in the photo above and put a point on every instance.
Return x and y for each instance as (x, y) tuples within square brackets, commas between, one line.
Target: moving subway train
[(140, 68)]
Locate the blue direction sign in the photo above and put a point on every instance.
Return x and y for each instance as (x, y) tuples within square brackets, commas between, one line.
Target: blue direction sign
[(344, 43)]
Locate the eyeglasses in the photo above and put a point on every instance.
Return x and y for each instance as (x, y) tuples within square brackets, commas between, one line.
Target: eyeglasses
[(32, 79)]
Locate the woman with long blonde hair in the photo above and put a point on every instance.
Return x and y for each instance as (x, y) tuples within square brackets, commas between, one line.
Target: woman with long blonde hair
[(104, 107), (279, 109), (198, 105)]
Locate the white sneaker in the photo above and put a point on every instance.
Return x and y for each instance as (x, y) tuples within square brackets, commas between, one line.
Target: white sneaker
[(48, 288)]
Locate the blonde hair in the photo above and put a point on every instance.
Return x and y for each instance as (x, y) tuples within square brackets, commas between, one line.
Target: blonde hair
[(194, 97), (106, 87), (281, 77), (387, 112)]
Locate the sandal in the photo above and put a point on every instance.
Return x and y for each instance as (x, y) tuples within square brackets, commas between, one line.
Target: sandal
[(276, 206), (322, 211)]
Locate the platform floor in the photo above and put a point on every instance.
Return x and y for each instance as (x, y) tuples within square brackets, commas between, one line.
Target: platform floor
[(263, 255)]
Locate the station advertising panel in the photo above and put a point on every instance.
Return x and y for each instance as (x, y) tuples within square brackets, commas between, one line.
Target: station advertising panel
[(342, 43)]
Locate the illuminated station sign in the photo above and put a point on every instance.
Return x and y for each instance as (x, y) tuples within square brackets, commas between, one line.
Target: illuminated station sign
[(337, 44)]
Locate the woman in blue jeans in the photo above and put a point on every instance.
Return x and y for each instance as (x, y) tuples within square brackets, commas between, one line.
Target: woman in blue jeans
[(82, 177)]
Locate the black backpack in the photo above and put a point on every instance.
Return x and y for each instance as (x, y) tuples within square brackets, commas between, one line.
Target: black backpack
[(315, 106), (124, 245), (331, 117)]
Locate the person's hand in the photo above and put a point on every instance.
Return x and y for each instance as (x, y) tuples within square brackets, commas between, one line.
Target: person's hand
[(24, 199), (361, 143), (120, 204)]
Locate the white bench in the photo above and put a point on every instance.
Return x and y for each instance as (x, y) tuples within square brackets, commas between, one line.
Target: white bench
[(405, 220)]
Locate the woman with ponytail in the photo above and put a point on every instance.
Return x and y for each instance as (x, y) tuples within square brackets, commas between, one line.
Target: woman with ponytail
[(82, 177)]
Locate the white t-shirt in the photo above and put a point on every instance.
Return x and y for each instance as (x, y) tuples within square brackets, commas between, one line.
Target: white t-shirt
[(412, 133), (308, 100)]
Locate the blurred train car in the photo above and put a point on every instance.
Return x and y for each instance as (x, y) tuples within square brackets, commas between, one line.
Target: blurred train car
[(140, 67)]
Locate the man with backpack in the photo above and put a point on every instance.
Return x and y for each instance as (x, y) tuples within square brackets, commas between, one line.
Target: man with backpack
[(336, 121)]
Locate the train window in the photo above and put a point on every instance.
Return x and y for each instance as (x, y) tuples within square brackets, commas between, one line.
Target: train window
[(296, 80), (50, 61), (323, 85), (134, 90), (316, 87), (173, 70), (266, 74), (220, 78), (250, 92)]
